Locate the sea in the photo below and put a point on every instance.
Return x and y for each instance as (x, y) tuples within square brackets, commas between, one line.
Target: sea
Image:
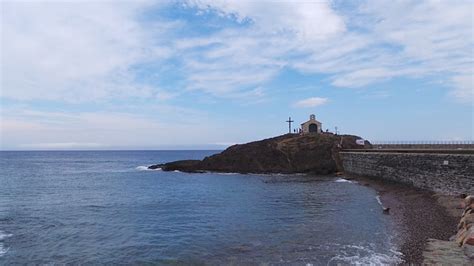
[(106, 207)]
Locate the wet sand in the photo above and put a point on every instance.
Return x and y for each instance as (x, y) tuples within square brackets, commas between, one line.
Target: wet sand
[(418, 215)]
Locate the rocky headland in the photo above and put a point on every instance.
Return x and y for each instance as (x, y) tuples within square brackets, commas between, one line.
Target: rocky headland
[(290, 153)]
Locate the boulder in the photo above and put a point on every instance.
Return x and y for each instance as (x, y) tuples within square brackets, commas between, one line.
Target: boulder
[(466, 220), (469, 237), (468, 202)]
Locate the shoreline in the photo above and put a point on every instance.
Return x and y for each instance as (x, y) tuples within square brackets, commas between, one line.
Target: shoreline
[(419, 215)]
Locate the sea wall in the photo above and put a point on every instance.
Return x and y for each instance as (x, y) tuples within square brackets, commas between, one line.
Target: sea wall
[(450, 173), (465, 145)]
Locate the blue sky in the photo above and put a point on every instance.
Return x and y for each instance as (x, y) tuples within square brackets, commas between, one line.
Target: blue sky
[(208, 74)]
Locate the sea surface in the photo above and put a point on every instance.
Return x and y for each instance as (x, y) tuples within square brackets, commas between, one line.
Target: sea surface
[(102, 207)]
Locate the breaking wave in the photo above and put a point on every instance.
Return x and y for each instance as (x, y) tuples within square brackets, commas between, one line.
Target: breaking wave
[(359, 255), (379, 201), (342, 180), (145, 168)]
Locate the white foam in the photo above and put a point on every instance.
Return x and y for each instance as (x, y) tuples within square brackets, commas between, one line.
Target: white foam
[(342, 180), (4, 235), (3, 250), (145, 168), (227, 173), (366, 256), (379, 201)]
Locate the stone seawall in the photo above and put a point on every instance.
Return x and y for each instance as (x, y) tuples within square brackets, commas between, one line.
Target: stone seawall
[(445, 173)]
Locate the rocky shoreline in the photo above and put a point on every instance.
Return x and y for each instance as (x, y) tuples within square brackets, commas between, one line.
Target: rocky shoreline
[(289, 153), (433, 228), (459, 249), (417, 215)]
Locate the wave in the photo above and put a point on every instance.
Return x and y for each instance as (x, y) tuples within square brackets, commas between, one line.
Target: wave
[(226, 173), (4, 235), (342, 180), (145, 168), (3, 249), (366, 256), (379, 201)]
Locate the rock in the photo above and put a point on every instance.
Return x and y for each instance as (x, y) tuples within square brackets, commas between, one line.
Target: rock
[(184, 165), (290, 153), (460, 236), (466, 220), (468, 201), (469, 237), (467, 211)]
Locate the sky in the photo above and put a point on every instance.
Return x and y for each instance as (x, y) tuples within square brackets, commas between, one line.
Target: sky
[(208, 74)]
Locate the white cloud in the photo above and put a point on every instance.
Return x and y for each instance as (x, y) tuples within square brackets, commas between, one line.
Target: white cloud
[(235, 61), (70, 52), (311, 102), (309, 20), (376, 41), (412, 39), (83, 51), (76, 51)]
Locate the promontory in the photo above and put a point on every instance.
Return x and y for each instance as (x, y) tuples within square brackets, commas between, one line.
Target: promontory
[(289, 153)]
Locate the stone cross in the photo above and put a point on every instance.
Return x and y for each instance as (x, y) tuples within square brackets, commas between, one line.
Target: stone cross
[(289, 124)]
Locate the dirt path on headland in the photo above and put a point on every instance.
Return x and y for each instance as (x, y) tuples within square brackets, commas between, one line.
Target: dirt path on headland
[(418, 216)]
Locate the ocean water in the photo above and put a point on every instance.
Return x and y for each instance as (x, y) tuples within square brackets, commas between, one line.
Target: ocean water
[(104, 207)]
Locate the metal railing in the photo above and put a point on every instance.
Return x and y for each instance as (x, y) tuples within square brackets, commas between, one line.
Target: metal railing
[(422, 142)]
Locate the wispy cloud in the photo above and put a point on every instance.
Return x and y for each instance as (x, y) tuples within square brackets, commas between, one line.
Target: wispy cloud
[(73, 52), (376, 41), (311, 102), (77, 51), (129, 72)]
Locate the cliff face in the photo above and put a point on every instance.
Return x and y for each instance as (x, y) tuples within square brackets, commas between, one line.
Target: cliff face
[(311, 153)]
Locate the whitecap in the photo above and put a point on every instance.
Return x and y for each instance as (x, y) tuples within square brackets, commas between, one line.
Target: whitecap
[(4, 235), (145, 168)]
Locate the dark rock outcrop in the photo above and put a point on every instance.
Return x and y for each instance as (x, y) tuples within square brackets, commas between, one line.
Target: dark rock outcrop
[(290, 153)]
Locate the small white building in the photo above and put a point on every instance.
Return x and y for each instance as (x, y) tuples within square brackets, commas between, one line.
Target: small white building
[(311, 126)]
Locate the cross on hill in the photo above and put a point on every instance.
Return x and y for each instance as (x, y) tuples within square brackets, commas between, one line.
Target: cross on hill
[(289, 121)]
